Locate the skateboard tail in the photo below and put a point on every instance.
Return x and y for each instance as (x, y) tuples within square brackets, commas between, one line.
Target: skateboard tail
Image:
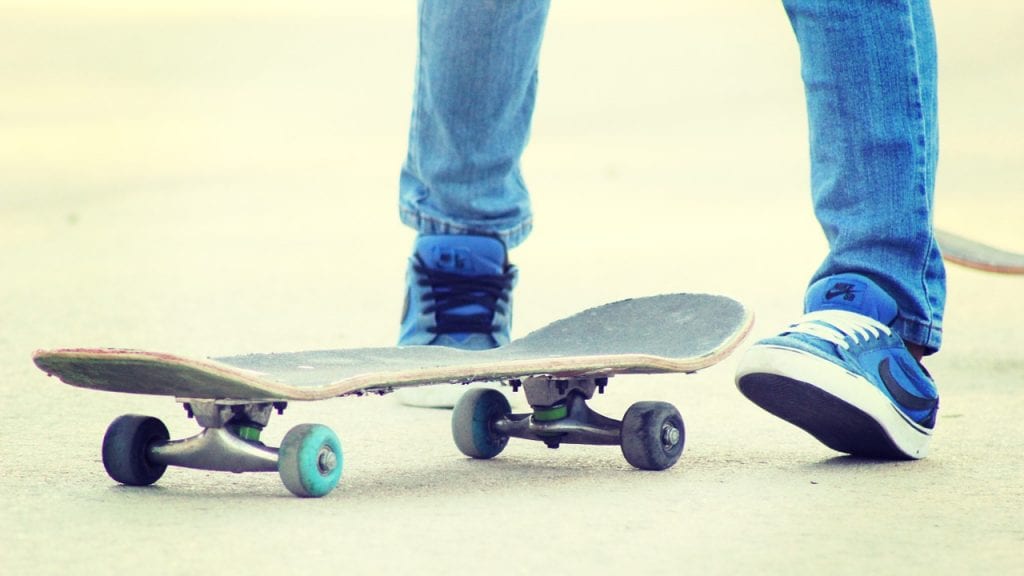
[(973, 254), (149, 373)]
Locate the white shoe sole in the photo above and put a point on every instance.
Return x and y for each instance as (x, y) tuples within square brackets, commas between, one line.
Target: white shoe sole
[(842, 410)]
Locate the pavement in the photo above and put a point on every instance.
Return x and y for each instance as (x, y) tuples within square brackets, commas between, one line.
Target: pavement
[(219, 178)]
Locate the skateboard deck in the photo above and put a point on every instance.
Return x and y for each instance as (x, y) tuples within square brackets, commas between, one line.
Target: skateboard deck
[(559, 367), (661, 334), (972, 254)]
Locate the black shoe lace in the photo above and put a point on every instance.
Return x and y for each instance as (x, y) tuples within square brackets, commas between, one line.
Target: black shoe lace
[(449, 292)]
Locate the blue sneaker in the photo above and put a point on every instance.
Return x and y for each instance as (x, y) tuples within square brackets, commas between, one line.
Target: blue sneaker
[(459, 295), (841, 374)]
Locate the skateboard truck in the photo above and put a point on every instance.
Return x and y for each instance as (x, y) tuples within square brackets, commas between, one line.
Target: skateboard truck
[(229, 441), (138, 449), (560, 413), (651, 434)]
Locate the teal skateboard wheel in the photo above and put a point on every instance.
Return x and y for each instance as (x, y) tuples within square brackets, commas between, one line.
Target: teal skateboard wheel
[(310, 460)]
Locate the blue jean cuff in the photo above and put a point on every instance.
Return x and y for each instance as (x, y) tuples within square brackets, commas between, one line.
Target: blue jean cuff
[(512, 235), (927, 335)]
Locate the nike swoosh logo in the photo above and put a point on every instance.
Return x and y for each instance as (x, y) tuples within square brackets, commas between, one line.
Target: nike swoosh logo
[(899, 394), (847, 291)]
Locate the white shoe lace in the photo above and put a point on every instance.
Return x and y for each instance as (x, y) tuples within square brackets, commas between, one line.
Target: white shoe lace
[(840, 327)]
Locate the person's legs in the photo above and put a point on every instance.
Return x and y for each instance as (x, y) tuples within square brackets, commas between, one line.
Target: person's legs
[(870, 79), (869, 70), (461, 188), (476, 83)]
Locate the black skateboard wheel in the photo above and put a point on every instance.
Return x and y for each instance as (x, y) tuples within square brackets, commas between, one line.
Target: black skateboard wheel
[(652, 435), (126, 449)]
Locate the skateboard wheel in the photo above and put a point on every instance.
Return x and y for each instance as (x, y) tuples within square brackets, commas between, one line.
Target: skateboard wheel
[(652, 435), (473, 423), (310, 460), (126, 449)]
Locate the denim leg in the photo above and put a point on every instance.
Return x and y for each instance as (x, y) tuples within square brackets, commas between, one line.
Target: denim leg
[(476, 82), (869, 72)]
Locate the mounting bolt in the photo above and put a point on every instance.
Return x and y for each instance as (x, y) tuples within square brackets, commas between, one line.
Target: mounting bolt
[(670, 435), (327, 460)]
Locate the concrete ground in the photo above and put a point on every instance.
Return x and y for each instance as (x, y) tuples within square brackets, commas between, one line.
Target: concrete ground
[(218, 178)]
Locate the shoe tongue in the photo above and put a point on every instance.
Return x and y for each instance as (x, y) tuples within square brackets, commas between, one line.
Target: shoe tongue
[(462, 255), (854, 293)]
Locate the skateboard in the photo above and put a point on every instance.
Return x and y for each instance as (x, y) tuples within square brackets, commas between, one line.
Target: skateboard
[(973, 254), (559, 368)]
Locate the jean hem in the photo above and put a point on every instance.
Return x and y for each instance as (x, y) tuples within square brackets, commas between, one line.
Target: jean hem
[(511, 235), (923, 334)]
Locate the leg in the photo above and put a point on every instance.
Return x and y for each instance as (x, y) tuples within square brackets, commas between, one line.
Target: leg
[(844, 372), (476, 82), (870, 77), (461, 187)]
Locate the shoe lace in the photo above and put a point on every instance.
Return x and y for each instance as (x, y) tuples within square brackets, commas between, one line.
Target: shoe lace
[(449, 292), (840, 327)]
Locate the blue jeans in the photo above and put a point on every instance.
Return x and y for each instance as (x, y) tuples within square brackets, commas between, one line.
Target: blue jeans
[(869, 74)]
